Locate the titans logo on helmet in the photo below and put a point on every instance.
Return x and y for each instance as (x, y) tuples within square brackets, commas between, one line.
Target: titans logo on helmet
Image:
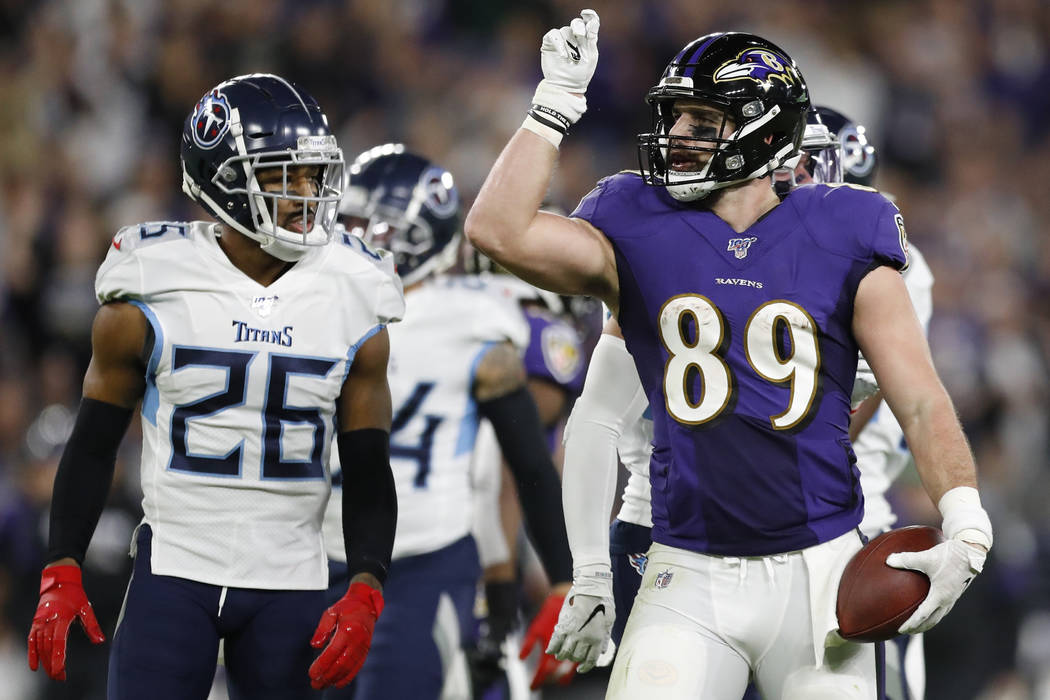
[(858, 158), (759, 65), (441, 196), (211, 119)]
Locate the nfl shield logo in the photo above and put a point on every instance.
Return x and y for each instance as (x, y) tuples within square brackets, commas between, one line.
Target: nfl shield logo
[(663, 579), (263, 305), (739, 246)]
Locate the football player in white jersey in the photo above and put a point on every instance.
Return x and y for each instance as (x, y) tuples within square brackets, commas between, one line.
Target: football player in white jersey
[(611, 419), (878, 439), (455, 358), (253, 345)]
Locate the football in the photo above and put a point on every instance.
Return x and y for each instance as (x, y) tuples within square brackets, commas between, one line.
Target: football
[(875, 599)]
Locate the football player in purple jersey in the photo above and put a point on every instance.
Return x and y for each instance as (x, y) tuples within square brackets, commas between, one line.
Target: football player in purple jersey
[(744, 315)]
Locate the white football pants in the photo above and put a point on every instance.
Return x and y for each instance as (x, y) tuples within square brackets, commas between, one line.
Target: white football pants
[(703, 625)]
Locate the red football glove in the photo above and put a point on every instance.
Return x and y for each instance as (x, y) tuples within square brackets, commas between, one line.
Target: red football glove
[(349, 624), (539, 632), (62, 600)]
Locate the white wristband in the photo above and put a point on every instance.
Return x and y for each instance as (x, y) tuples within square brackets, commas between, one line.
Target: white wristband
[(553, 136), (964, 518), (557, 99), (596, 580)]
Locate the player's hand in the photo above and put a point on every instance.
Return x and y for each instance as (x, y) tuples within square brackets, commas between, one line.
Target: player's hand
[(585, 623), (62, 600), (950, 566), (348, 625), (569, 54), (539, 634), (486, 656), (485, 660), (568, 57)]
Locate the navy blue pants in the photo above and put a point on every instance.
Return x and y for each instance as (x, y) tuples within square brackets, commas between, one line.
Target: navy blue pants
[(167, 641), (426, 597), (628, 544)]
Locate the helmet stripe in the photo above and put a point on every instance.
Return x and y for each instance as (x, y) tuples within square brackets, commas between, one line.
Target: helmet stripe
[(696, 55), (294, 91)]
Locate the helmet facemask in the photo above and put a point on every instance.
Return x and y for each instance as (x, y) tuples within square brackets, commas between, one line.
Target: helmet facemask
[(726, 163), (403, 203), (754, 85), (404, 233), (317, 211), (820, 161)]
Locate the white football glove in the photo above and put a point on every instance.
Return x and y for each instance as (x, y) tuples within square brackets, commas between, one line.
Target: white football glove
[(568, 57), (952, 565), (585, 622)]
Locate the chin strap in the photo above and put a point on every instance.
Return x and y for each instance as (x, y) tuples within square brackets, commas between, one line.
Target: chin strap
[(280, 249)]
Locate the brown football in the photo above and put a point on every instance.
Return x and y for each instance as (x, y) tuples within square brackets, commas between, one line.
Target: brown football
[(876, 599)]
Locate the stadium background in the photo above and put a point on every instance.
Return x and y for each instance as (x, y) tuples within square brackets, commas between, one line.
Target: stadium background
[(954, 92)]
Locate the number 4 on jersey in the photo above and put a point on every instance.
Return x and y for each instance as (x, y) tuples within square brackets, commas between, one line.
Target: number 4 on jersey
[(420, 452)]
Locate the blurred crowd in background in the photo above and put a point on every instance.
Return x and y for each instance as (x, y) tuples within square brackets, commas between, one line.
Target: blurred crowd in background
[(955, 95)]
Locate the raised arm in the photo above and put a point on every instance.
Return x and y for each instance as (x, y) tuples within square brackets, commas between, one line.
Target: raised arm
[(564, 255), (891, 338)]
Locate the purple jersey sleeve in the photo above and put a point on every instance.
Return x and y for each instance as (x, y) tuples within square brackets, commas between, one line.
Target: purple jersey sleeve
[(890, 242), (603, 206), (853, 221), (555, 351)]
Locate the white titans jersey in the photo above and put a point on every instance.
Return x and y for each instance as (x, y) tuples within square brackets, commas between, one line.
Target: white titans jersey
[(241, 387), (881, 454), (450, 322)]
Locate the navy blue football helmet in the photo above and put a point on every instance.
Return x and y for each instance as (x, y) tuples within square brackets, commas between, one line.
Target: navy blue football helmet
[(406, 204), (755, 84), (821, 160), (859, 158), (251, 123)]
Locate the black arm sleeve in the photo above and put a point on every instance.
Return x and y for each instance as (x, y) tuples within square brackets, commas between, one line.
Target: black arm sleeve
[(369, 501), (517, 425), (84, 476)]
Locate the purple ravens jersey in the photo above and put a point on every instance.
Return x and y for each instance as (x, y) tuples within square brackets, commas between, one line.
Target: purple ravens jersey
[(555, 351), (744, 344)]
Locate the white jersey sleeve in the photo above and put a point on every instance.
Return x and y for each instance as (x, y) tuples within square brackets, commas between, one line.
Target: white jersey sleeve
[(880, 449), (239, 407), (130, 269)]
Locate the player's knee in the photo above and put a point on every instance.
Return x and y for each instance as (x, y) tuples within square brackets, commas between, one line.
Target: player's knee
[(812, 684)]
